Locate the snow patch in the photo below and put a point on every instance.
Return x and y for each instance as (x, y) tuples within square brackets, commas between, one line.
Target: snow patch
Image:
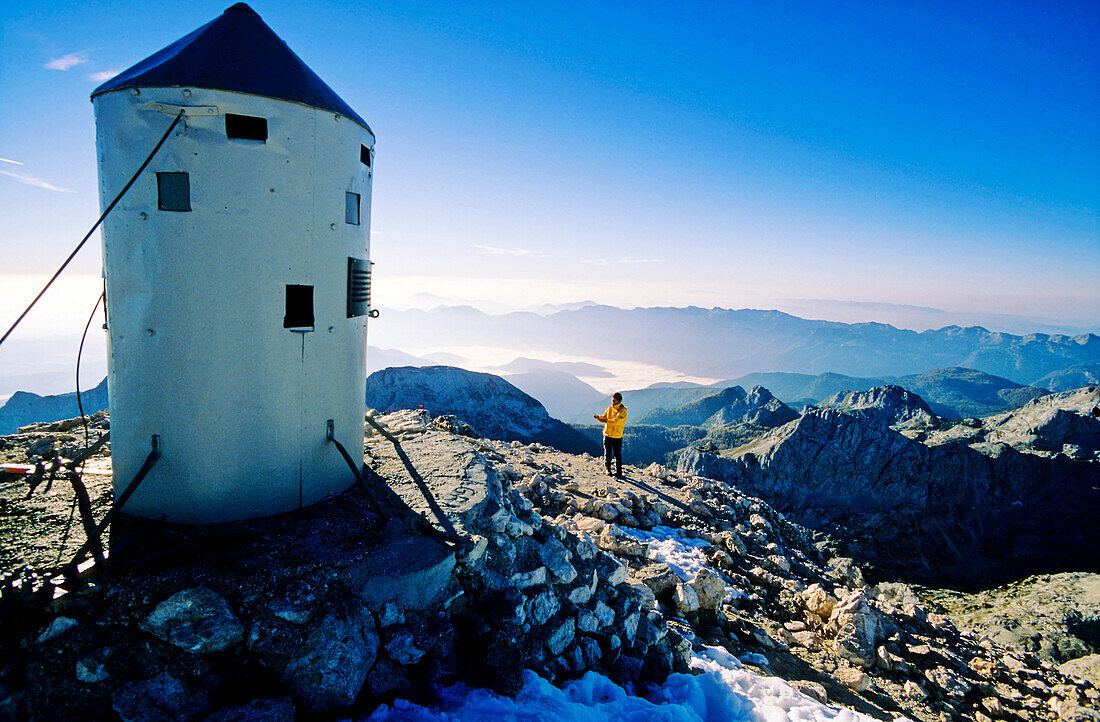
[(683, 555), (721, 691)]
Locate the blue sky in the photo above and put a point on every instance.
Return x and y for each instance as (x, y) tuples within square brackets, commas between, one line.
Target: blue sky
[(734, 154)]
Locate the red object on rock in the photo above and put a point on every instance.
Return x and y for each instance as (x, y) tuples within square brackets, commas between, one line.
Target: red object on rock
[(16, 469)]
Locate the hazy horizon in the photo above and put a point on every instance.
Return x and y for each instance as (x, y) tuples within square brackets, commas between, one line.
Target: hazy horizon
[(41, 356), (917, 166)]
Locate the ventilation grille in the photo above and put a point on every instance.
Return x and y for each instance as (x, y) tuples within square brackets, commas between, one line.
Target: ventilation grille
[(358, 287)]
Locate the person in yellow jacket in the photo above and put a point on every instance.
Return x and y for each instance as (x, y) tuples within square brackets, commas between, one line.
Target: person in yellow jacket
[(614, 419)]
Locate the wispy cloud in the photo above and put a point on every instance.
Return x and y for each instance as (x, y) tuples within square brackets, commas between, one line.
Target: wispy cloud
[(103, 75), (66, 62), (621, 261), (494, 251), (8, 160), (36, 182)]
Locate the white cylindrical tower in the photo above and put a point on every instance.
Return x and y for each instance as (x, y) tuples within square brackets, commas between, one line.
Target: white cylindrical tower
[(237, 275)]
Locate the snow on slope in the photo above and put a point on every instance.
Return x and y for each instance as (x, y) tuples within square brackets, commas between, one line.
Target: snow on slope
[(720, 691)]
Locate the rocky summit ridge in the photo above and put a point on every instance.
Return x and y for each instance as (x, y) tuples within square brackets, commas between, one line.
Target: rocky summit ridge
[(732, 405), (493, 556), (491, 404), (888, 405), (1066, 423), (965, 503)]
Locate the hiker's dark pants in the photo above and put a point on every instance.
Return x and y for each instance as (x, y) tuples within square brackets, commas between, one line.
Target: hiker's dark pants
[(613, 446)]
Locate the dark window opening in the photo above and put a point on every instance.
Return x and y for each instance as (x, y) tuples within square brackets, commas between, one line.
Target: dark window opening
[(299, 307), (173, 192), (351, 208), (364, 155), (358, 287), (247, 127)]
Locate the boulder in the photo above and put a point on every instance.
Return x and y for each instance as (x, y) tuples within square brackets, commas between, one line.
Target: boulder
[(279, 709), (162, 697), (657, 577), (388, 678), (401, 646), (197, 620), (557, 560), (542, 606), (847, 571), (709, 588), (559, 637), (392, 614), (813, 690), (324, 663), (687, 601), (639, 594), (818, 601), (858, 630), (950, 684), (1087, 667), (616, 541), (55, 629), (604, 614)]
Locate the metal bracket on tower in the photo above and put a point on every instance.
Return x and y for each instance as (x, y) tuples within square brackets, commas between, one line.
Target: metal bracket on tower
[(330, 435), (189, 111)]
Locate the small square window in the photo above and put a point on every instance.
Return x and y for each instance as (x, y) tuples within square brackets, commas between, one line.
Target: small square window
[(299, 307), (364, 155), (246, 127), (351, 208), (173, 192)]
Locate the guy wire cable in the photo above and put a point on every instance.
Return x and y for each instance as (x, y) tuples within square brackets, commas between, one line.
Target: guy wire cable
[(89, 234), (79, 353), (84, 421)]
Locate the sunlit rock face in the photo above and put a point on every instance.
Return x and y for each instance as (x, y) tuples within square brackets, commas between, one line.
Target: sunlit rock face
[(493, 407), (930, 511), (888, 405)]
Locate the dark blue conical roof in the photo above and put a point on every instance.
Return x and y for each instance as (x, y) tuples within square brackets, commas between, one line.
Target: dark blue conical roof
[(235, 51)]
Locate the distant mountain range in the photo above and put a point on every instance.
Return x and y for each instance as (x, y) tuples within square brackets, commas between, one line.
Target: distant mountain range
[(1073, 377), (952, 393), (723, 343), (26, 408)]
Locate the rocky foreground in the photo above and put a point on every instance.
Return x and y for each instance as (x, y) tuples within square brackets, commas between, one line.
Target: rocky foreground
[(494, 557)]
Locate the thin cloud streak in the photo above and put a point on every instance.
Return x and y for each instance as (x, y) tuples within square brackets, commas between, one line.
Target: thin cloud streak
[(494, 251), (8, 160), (66, 62), (621, 261), (36, 182)]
